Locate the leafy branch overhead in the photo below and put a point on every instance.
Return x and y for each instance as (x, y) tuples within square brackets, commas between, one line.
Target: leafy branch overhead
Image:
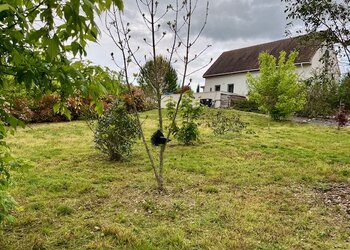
[(37, 40), (330, 19)]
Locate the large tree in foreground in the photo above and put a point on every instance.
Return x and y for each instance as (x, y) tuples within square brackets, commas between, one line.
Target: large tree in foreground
[(37, 37), (276, 89)]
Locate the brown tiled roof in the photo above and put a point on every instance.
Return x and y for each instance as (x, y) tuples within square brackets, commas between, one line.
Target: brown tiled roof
[(246, 59)]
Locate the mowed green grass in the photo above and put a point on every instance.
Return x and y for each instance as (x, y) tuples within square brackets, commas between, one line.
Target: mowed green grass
[(249, 191)]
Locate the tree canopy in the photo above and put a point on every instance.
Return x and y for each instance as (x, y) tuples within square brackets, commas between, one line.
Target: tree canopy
[(277, 89), (164, 78), (329, 19), (37, 40)]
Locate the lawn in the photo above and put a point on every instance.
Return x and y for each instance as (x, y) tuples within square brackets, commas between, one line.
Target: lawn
[(256, 190)]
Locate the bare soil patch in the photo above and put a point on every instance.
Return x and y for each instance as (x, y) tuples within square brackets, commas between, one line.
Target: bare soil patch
[(337, 194)]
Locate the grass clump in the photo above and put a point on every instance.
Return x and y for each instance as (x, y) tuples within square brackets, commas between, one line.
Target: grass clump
[(63, 210)]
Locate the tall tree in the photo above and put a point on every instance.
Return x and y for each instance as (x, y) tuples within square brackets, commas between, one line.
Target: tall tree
[(328, 19), (276, 89), (166, 77)]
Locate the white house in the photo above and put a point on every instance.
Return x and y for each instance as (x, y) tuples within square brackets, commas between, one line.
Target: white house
[(227, 76)]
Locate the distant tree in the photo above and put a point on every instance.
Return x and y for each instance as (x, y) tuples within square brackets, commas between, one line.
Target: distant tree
[(164, 78), (277, 89), (331, 17), (198, 88)]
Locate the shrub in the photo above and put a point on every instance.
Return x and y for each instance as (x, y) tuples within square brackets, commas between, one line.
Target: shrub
[(245, 105), (345, 91), (21, 110), (184, 89), (322, 97), (342, 118), (189, 112), (43, 109), (116, 132), (222, 123), (142, 102)]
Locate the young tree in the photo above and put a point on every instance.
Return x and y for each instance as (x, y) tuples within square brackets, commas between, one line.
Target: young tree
[(277, 89), (167, 77), (171, 30), (190, 111)]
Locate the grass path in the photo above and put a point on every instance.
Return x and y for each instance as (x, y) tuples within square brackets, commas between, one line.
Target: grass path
[(249, 191)]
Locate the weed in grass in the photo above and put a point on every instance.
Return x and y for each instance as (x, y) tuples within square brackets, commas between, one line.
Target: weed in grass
[(211, 190), (122, 235), (36, 206), (63, 210), (149, 206)]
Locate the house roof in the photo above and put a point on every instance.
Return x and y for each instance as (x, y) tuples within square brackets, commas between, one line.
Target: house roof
[(247, 59)]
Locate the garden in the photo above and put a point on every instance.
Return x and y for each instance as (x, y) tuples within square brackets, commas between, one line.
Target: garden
[(247, 190), (89, 159)]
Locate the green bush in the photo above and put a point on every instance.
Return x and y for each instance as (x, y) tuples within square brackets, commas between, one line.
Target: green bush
[(322, 97), (189, 112), (188, 133), (116, 132), (245, 105), (277, 89), (222, 123), (344, 90)]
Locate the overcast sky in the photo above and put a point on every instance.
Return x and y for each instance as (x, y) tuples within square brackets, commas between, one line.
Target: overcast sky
[(231, 24)]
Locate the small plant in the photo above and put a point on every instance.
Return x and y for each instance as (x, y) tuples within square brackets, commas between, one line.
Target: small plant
[(116, 132), (189, 112), (342, 117), (63, 210), (222, 123)]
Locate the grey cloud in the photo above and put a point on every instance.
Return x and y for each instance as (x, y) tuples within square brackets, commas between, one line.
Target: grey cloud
[(231, 24), (245, 19)]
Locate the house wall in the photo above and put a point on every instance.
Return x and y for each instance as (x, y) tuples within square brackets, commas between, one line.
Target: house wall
[(215, 96), (239, 80)]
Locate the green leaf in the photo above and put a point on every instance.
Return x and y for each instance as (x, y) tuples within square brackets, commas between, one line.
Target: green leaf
[(5, 6), (53, 47), (35, 35), (56, 107), (119, 4)]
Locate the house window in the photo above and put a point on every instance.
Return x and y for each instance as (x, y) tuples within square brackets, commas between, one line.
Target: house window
[(217, 87), (230, 88), (211, 89)]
